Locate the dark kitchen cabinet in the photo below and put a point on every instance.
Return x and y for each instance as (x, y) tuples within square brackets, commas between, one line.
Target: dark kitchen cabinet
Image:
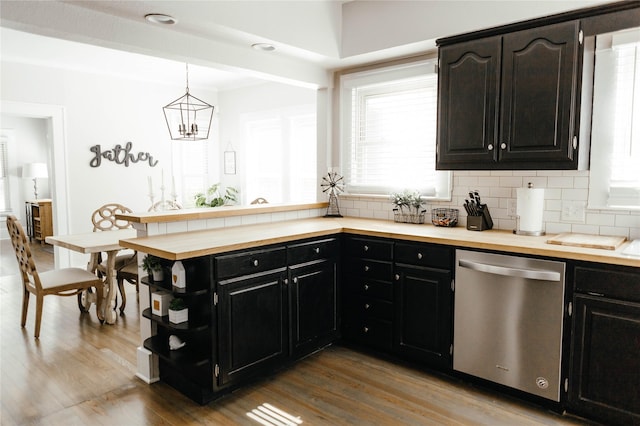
[(367, 309), (252, 320), (423, 303), (511, 101), (314, 294), (605, 362)]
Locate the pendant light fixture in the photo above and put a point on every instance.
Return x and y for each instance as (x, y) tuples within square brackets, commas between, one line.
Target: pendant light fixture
[(188, 118)]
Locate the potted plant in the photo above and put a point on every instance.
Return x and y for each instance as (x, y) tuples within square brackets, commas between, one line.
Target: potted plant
[(178, 311), (408, 206), (212, 197), (152, 266)]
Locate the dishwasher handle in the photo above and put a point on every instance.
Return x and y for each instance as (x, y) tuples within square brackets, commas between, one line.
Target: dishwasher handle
[(532, 274)]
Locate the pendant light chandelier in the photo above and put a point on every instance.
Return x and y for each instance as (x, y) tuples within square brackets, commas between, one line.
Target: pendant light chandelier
[(188, 118)]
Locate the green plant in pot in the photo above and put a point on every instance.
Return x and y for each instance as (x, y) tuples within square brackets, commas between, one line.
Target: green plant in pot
[(178, 311), (214, 198), (152, 266), (408, 206)]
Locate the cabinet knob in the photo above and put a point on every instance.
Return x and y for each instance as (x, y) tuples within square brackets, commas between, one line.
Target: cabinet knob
[(365, 329), (295, 280), (367, 306), (285, 281), (503, 145), (317, 250), (366, 268), (255, 262), (419, 255), (366, 287), (397, 277), (490, 147), (365, 248)]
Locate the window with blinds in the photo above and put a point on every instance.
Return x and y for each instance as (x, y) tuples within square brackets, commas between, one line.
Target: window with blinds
[(389, 118), (615, 152), (191, 162)]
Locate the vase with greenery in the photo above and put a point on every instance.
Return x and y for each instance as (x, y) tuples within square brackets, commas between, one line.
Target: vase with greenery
[(408, 206), (213, 196), (178, 311), (152, 266)]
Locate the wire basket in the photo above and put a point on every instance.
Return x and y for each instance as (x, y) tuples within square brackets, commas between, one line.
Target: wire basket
[(408, 217), (444, 217)]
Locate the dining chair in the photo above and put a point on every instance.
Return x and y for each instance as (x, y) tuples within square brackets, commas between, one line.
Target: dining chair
[(259, 200), (104, 219), (59, 282)]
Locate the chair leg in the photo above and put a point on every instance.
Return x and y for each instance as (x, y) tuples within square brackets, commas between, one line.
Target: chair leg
[(25, 306), (99, 299), (39, 303), (122, 293)]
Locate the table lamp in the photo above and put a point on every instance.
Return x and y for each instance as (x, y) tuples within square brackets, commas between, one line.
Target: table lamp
[(35, 171)]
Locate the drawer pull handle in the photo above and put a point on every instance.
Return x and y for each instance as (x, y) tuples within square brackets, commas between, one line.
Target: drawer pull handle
[(365, 329), (255, 262), (419, 255), (366, 268), (367, 306), (317, 250), (397, 277), (366, 248), (366, 287)]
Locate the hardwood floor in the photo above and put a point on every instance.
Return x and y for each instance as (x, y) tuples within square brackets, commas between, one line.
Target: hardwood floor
[(81, 372)]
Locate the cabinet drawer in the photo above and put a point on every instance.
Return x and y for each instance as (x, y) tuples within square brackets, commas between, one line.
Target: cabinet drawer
[(371, 269), (424, 255), (313, 250), (607, 281), (370, 249), (372, 288), (245, 263), (370, 331), (364, 307)]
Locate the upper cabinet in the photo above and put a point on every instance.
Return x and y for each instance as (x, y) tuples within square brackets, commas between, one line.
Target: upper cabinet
[(511, 101)]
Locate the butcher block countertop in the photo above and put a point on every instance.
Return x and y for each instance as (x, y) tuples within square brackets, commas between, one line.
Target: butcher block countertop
[(185, 245)]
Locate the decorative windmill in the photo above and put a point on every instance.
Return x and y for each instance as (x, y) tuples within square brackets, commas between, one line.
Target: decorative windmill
[(333, 184)]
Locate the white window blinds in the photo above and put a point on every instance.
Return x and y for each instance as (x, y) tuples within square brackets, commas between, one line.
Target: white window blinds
[(615, 153), (5, 200), (389, 118)]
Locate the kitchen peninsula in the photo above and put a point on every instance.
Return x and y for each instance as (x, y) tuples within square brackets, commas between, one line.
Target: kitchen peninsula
[(297, 251)]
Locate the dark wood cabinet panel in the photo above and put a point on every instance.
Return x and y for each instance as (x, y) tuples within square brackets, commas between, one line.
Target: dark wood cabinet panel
[(469, 83), (605, 376), (511, 101), (252, 324), (314, 305), (539, 89)]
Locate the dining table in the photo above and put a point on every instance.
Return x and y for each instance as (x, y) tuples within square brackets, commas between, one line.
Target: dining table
[(94, 243)]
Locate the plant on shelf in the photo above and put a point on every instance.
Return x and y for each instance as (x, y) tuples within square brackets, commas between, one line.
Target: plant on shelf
[(213, 197), (178, 311), (408, 206), (152, 266)]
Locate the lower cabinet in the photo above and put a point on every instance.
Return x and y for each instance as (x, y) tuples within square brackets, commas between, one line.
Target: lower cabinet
[(605, 364), (252, 325)]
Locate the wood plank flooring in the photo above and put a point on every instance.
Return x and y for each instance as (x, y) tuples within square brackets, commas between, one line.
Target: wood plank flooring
[(81, 372)]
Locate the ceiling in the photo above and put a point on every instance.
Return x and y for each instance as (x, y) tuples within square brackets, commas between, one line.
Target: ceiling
[(312, 37)]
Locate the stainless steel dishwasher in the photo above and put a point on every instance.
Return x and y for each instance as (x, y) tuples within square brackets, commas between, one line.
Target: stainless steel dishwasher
[(508, 320)]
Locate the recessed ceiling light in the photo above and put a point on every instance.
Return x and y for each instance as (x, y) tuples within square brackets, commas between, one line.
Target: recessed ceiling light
[(159, 18), (265, 47)]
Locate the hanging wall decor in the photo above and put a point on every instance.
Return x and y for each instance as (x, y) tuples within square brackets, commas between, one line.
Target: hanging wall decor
[(229, 160), (120, 155)]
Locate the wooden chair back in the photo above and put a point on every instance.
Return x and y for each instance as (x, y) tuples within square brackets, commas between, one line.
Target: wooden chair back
[(20, 244), (104, 218)]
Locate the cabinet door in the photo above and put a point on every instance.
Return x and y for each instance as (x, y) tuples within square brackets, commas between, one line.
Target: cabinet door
[(605, 371), (423, 314), (539, 89), (252, 324), (314, 306), (468, 103)]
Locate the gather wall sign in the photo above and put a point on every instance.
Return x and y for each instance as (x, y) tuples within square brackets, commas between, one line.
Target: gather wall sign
[(120, 155)]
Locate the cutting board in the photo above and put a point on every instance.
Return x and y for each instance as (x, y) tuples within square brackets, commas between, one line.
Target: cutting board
[(604, 242)]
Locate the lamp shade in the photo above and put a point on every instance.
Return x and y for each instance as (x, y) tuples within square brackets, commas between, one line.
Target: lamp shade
[(35, 170)]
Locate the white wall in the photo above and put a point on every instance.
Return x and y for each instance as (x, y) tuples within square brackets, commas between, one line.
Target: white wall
[(102, 110)]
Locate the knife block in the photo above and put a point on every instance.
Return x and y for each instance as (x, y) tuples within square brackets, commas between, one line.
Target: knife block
[(480, 223)]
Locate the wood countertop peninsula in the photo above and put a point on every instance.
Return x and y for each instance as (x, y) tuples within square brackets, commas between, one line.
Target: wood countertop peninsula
[(185, 245)]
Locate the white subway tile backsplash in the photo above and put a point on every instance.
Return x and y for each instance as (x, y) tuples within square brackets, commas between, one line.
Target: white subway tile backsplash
[(498, 189)]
